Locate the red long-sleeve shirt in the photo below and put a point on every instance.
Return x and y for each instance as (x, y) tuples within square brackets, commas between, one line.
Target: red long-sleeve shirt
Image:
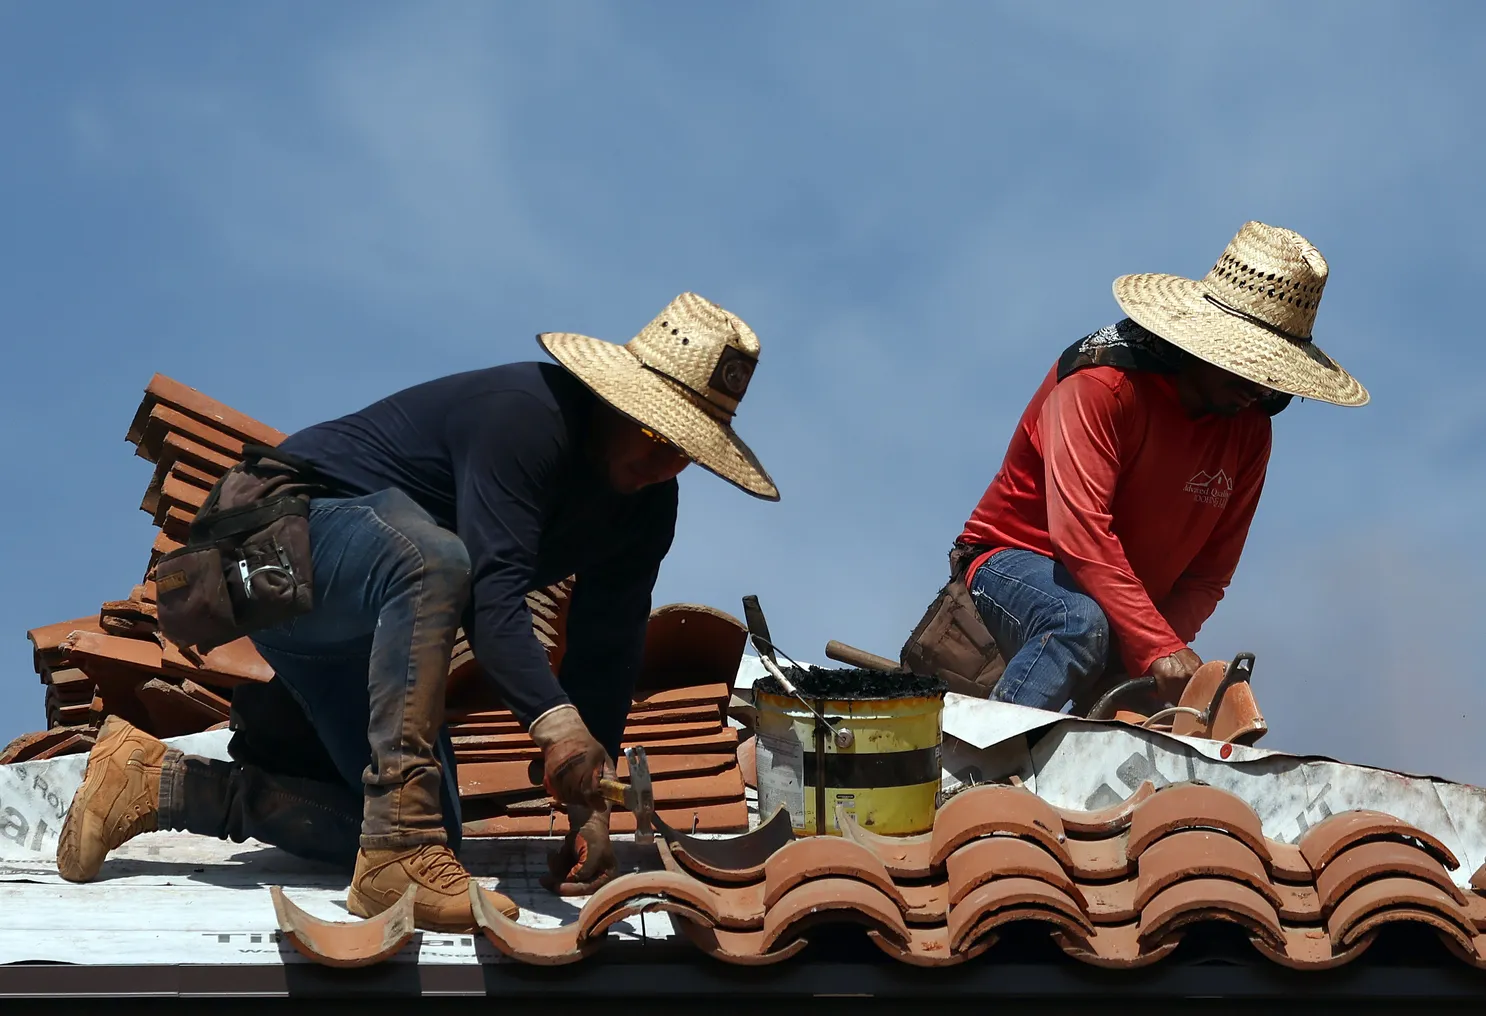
[(1145, 506)]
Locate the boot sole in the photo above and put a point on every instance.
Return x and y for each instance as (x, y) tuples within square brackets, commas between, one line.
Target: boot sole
[(69, 850), (364, 907)]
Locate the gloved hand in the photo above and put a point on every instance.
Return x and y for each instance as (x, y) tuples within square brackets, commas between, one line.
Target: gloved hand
[(585, 862), (572, 761), (1172, 673)]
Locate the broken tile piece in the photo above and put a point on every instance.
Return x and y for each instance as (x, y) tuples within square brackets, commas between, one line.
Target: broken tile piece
[(345, 943), (545, 947)]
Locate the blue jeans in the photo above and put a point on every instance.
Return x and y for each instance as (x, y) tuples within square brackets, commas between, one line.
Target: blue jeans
[(1054, 637), (368, 664)]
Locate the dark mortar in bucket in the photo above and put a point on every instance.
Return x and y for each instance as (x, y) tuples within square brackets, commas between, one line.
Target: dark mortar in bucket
[(853, 684)]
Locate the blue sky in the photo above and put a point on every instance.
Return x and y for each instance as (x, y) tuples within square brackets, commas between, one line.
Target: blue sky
[(298, 208)]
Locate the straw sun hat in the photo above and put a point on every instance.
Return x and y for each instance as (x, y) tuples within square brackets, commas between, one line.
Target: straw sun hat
[(1251, 315), (683, 377)]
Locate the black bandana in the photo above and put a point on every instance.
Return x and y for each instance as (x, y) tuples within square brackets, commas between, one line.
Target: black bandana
[(1127, 345)]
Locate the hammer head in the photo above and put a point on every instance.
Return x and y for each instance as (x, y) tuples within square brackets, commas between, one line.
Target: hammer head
[(639, 796)]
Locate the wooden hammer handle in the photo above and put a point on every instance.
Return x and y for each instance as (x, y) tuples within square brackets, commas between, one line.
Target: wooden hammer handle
[(843, 653)]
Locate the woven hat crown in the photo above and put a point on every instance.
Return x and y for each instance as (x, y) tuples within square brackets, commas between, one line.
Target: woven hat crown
[(1272, 276), (696, 345)]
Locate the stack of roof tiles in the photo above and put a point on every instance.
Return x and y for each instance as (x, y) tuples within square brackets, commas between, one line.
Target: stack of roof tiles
[(1113, 888), (117, 663)]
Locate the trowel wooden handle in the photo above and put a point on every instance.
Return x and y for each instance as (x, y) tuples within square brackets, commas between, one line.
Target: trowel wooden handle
[(843, 653)]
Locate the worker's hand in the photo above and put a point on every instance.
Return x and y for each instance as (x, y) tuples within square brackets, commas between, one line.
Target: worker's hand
[(572, 761), (1172, 673), (585, 862)]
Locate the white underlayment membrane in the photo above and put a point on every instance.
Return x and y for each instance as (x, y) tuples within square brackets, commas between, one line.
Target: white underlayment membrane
[(168, 898)]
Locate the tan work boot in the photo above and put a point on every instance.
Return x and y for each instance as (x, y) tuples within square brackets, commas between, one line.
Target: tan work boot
[(118, 800), (442, 901)]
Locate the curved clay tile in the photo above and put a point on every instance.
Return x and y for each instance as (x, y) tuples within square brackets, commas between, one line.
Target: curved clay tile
[(594, 918), (820, 857), (1210, 899), (735, 860), (544, 947), (748, 762), (1110, 902), (1099, 860), (1378, 859), (1478, 880), (743, 948), (1397, 899), (1288, 863), (902, 856), (1299, 903), (1195, 806), (928, 947), (1198, 853), (984, 811), (1006, 899), (345, 943), (826, 900), (1328, 838), (646, 905), (1117, 946), (926, 902), (1105, 821), (978, 862), (1310, 948)]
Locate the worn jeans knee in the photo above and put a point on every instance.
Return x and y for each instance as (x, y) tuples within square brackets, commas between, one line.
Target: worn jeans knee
[(1054, 637)]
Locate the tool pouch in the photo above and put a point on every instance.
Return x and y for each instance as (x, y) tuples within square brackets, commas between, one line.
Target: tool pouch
[(951, 642), (246, 564)]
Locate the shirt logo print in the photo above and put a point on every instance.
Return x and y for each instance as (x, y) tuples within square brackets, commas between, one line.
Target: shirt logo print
[(1210, 488)]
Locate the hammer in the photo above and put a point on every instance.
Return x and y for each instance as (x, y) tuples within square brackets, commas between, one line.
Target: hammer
[(637, 798)]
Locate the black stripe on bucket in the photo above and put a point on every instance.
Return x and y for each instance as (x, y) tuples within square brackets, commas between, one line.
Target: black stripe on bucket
[(877, 769)]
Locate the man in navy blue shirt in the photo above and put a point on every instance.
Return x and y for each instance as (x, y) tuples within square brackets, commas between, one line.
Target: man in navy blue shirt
[(462, 495)]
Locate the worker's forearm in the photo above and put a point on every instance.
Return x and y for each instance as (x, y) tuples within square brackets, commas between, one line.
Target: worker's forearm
[(513, 661)]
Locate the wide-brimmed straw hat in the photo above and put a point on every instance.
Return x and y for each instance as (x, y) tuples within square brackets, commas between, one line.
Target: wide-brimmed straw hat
[(683, 377), (1252, 314)]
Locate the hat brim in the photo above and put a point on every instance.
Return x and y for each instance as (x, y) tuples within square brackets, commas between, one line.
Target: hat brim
[(614, 374), (1177, 310)]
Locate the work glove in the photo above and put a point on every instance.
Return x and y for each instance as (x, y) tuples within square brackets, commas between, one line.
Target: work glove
[(585, 862), (572, 761), (1172, 674)]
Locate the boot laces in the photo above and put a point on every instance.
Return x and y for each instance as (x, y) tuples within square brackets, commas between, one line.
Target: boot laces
[(440, 867), (141, 816)]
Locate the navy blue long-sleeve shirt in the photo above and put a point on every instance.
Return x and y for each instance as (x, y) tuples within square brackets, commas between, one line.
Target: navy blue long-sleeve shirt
[(501, 456)]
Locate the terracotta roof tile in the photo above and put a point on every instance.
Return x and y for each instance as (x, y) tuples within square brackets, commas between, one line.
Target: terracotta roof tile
[(1194, 806), (987, 810), (1000, 856), (345, 943), (827, 900), (1403, 898), (1327, 839), (1002, 900), (1376, 858), (1210, 899), (1198, 853)]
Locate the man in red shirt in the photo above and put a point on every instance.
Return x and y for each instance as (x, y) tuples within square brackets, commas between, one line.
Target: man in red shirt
[(1117, 519)]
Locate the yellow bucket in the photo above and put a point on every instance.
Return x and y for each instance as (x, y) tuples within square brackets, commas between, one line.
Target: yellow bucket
[(886, 777)]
